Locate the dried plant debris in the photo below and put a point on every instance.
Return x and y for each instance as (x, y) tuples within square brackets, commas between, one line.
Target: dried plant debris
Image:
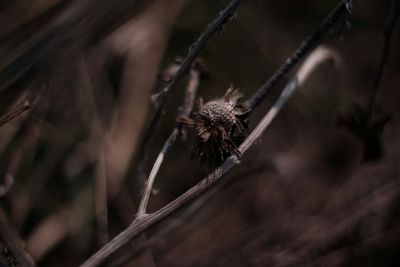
[(368, 130), (220, 126)]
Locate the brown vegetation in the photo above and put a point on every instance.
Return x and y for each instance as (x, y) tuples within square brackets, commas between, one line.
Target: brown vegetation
[(84, 115)]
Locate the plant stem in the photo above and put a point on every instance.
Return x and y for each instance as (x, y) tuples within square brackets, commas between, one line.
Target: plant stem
[(187, 107), (142, 223), (194, 50), (307, 45)]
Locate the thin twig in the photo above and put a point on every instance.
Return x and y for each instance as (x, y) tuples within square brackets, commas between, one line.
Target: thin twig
[(194, 50), (15, 112), (308, 44), (166, 78), (154, 171), (391, 21), (314, 59), (142, 223), (190, 96)]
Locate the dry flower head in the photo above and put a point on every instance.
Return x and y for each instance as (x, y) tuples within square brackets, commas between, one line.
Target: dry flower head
[(220, 125)]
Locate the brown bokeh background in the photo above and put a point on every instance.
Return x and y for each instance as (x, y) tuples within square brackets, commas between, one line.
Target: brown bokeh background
[(304, 195)]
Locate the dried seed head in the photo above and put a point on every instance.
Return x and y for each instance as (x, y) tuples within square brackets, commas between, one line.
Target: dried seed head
[(220, 124), (219, 113)]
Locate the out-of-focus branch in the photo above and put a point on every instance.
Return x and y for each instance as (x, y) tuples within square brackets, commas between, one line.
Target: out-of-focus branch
[(391, 22), (141, 223), (362, 122), (36, 54), (15, 112), (100, 192)]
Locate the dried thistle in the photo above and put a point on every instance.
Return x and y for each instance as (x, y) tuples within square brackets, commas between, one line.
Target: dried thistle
[(220, 125)]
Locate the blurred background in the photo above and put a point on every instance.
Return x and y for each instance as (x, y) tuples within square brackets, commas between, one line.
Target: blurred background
[(309, 193)]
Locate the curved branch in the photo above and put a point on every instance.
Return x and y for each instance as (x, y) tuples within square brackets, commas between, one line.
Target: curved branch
[(307, 45), (190, 96), (142, 223)]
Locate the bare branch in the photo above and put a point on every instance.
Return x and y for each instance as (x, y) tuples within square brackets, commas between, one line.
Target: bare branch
[(166, 78), (141, 223), (319, 56), (154, 171), (391, 21), (308, 44), (190, 96), (194, 50)]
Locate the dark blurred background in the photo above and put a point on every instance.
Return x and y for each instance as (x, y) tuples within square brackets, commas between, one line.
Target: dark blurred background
[(306, 194)]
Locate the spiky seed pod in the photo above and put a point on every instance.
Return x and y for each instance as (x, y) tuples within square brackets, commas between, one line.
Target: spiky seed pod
[(220, 125)]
